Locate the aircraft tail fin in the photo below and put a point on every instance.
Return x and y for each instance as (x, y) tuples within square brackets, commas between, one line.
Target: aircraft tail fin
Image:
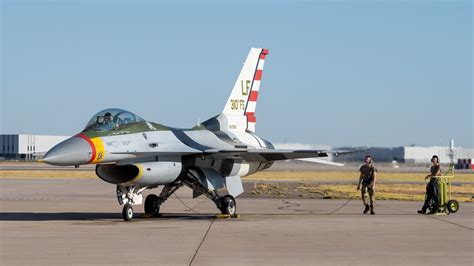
[(239, 110)]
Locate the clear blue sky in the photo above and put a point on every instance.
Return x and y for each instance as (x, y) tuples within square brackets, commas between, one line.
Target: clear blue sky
[(381, 73)]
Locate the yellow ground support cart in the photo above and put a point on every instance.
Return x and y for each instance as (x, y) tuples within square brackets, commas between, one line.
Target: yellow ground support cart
[(445, 203)]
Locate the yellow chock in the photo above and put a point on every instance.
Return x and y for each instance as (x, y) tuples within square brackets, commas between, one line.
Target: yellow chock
[(227, 216)]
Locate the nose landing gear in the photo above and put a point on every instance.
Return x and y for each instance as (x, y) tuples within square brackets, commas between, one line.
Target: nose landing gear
[(128, 196), (132, 195)]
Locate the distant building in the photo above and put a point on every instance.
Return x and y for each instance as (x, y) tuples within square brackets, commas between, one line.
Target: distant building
[(423, 154), (409, 154), (26, 147)]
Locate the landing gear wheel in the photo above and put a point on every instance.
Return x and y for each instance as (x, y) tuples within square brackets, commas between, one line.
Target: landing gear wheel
[(152, 205), (453, 206), (228, 205), (127, 212)]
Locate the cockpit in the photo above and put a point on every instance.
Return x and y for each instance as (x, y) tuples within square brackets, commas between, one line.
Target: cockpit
[(112, 119)]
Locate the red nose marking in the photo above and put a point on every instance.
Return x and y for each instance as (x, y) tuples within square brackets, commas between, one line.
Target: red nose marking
[(94, 151)]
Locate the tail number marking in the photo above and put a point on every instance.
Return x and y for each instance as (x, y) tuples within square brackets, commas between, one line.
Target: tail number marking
[(239, 104)]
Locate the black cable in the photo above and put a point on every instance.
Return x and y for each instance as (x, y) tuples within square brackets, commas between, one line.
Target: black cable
[(185, 205), (343, 205)]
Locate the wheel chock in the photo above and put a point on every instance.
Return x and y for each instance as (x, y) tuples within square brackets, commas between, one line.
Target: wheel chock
[(227, 216)]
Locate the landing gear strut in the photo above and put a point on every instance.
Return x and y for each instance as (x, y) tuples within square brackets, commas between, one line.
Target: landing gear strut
[(224, 202), (128, 196), (132, 195), (153, 202)]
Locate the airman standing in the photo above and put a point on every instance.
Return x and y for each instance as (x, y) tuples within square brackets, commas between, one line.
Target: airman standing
[(431, 196)]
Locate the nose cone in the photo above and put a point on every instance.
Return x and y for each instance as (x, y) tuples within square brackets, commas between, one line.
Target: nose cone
[(73, 151)]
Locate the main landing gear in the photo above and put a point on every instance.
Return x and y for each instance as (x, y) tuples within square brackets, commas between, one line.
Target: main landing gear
[(228, 205), (128, 196), (224, 202)]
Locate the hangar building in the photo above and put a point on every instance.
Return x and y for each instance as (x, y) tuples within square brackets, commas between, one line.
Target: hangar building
[(26, 147), (410, 154)]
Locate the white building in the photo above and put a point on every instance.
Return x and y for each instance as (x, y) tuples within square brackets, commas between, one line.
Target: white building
[(26, 147), (423, 154)]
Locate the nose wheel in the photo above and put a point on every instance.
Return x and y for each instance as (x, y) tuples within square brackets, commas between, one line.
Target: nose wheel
[(127, 212)]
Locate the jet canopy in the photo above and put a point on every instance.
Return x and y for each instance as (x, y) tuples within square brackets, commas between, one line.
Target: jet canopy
[(111, 119)]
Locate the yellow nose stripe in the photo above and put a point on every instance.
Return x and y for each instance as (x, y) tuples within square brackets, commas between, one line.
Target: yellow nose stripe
[(100, 150)]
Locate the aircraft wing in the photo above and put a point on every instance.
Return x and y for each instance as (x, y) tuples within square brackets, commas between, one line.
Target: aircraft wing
[(162, 151), (257, 155), (250, 155)]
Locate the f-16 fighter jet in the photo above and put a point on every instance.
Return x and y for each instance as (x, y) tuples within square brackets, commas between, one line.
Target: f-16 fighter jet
[(135, 154)]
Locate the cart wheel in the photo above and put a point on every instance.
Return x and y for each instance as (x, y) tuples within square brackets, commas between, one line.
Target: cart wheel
[(453, 206)]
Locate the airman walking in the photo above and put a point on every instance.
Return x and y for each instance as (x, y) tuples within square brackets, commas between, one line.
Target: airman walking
[(368, 176)]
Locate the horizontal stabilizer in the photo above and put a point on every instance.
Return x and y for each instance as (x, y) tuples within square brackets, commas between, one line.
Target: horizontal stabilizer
[(320, 161)]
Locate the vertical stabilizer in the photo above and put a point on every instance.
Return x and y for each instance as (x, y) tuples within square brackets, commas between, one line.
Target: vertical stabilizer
[(239, 110)]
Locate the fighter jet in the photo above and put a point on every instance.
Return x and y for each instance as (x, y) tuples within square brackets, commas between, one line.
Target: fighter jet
[(135, 154)]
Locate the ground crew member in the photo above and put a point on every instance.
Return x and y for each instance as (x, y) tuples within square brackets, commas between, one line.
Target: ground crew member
[(368, 176), (432, 186)]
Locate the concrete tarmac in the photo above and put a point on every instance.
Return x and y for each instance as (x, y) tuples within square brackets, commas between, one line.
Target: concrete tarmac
[(58, 222)]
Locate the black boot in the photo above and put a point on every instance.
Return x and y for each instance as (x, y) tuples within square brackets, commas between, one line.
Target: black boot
[(366, 208), (372, 210), (422, 211)]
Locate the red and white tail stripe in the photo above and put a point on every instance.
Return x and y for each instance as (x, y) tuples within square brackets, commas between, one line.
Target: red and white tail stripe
[(239, 111), (253, 95)]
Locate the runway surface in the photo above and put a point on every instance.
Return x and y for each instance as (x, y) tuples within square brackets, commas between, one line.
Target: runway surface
[(57, 222)]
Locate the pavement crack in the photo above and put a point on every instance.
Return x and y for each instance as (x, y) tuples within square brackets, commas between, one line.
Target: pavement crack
[(202, 241)]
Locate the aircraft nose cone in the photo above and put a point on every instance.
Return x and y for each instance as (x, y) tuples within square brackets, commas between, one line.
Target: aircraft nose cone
[(73, 151)]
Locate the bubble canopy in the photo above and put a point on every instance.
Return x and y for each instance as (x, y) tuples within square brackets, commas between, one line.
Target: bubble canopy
[(111, 119)]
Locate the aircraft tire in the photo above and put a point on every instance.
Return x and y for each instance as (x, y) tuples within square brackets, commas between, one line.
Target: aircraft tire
[(152, 205), (228, 205), (127, 212)]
